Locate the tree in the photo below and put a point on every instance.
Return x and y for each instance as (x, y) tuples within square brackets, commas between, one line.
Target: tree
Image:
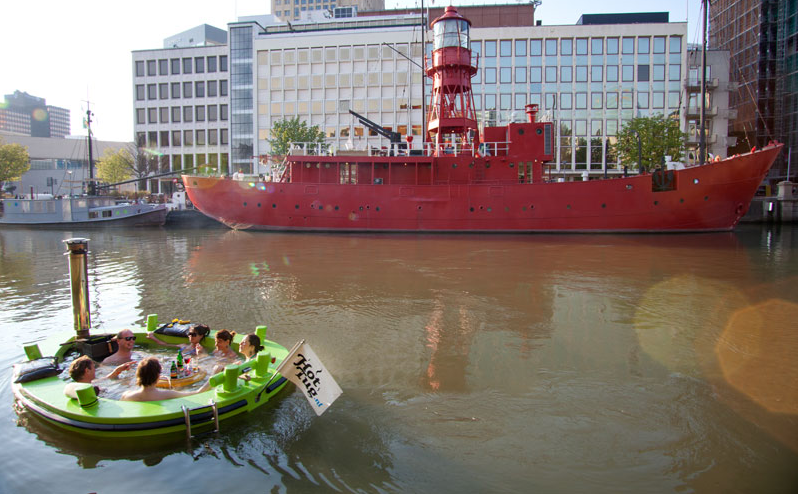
[(14, 161), (291, 130), (659, 136), (115, 165), (145, 163)]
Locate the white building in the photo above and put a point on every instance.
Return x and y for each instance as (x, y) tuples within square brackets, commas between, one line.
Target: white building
[(181, 102), (590, 78)]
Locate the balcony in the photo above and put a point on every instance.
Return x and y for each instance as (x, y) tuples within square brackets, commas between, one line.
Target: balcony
[(693, 139), (694, 85), (695, 112)]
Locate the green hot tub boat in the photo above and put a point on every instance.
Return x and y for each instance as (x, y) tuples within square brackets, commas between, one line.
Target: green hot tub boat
[(41, 390)]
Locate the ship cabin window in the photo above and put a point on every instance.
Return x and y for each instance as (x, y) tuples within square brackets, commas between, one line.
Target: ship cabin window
[(107, 213), (93, 215), (451, 32)]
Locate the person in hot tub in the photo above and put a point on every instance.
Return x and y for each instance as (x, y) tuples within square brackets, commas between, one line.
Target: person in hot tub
[(84, 370), (196, 334), (125, 339), (147, 375)]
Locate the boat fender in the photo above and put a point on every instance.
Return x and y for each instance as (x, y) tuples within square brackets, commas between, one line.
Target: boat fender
[(35, 369), (261, 332), (87, 395), (753, 149), (228, 379)]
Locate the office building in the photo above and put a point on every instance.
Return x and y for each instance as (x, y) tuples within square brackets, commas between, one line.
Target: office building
[(23, 114), (294, 10), (181, 102), (762, 38), (590, 78)]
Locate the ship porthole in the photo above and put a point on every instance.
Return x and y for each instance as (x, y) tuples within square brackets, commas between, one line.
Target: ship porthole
[(531, 206), (568, 206), (361, 208), (628, 186), (603, 205), (419, 208), (378, 208), (471, 209), (656, 203), (538, 131), (258, 204), (681, 200), (245, 204), (274, 206), (695, 180), (520, 132), (336, 208), (296, 206), (706, 198)]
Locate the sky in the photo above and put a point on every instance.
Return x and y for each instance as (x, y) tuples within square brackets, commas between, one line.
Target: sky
[(73, 52)]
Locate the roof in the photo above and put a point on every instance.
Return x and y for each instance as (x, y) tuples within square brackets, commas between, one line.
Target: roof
[(625, 18)]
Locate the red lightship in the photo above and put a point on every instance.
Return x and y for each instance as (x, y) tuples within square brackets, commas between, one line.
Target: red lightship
[(467, 181)]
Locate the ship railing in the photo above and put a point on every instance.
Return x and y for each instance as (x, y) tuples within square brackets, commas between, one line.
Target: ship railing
[(309, 148), (499, 148)]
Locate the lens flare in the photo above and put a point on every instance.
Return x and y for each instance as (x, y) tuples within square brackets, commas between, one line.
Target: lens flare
[(39, 114)]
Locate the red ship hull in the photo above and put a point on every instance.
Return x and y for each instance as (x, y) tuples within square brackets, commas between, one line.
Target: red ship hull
[(711, 197)]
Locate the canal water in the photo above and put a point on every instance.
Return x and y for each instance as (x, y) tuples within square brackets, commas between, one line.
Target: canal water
[(501, 363)]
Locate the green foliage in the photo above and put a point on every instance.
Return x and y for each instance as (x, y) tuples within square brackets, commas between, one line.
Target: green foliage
[(14, 161), (291, 130), (659, 136), (115, 166)]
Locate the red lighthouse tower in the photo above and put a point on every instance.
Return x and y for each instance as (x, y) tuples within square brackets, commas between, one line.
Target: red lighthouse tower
[(451, 114)]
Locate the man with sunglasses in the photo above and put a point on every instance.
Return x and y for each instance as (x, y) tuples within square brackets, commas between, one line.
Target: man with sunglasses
[(125, 339)]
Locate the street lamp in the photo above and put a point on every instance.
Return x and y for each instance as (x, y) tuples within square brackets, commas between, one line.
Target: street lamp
[(69, 172)]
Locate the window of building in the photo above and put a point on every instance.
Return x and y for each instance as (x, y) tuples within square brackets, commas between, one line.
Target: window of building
[(223, 87), (551, 101), (566, 74), (643, 44), (596, 73), (659, 44), (490, 48), (176, 140), (643, 73), (506, 75), (551, 47), (163, 115), (490, 101), (199, 65), (188, 114), (627, 100), (163, 90), (520, 73), (188, 137), (152, 91), (186, 65), (674, 72), (520, 48), (506, 101), (140, 68), (140, 118), (223, 63), (551, 74), (151, 67), (164, 138), (199, 89), (506, 48), (597, 46), (175, 62), (581, 46), (200, 137), (213, 137), (675, 44), (628, 73), (566, 101), (490, 75), (212, 64), (673, 99), (658, 99), (163, 67), (628, 46), (223, 137), (139, 92), (596, 101), (612, 46), (534, 74), (175, 114), (520, 99), (199, 113), (223, 113), (534, 47), (175, 90), (612, 73), (188, 89), (567, 46), (212, 89), (152, 115), (212, 113)]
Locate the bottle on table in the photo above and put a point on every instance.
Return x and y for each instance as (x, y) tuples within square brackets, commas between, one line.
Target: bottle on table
[(173, 371), (179, 362)]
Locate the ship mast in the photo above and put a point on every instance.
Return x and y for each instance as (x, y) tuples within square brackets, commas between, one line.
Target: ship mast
[(702, 139), (91, 189)]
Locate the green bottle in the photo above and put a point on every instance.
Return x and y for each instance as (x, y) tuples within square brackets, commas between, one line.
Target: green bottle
[(173, 371), (179, 361)]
